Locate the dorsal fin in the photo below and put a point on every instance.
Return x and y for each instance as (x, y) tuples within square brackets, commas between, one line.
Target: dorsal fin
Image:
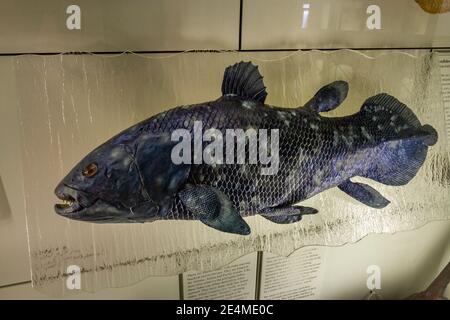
[(328, 97), (244, 80)]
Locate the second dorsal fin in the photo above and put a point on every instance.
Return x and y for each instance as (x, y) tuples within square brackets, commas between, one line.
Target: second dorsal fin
[(328, 97), (244, 80)]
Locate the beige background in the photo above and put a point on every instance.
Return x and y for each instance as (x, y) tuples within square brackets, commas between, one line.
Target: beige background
[(160, 25), (116, 25), (204, 24), (340, 24)]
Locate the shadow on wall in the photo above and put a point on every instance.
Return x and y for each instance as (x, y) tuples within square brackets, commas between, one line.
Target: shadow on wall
[(5, 211)]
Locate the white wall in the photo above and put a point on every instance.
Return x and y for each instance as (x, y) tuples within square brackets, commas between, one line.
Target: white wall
[(156, 288), (14, 266)]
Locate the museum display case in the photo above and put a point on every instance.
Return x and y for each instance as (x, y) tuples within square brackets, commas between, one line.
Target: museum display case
[(347, 103)]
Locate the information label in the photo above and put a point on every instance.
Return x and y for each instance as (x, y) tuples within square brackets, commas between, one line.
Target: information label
[(236, 281), (297, 277), (444, 59)]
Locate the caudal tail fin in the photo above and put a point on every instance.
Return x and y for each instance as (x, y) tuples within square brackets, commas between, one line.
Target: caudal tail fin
[(403, 140)]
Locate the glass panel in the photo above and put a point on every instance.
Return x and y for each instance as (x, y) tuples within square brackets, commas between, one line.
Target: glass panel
[(69, 104)]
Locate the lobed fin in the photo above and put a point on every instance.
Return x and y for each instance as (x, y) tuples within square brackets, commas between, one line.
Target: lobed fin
[(364, 193), (285, 215), (329, 97), (387, 105)]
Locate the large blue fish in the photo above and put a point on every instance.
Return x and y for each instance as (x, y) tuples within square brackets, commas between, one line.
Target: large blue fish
[(132, 177)]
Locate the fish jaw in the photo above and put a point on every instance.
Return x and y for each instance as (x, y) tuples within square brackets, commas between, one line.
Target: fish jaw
[(71, 201), (80, 206)]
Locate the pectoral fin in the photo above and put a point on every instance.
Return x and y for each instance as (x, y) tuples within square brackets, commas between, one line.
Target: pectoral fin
[(328, 97), (285, 215), (213, 208), (364, 193)]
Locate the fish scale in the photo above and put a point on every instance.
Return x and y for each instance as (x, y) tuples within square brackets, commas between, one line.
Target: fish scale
[(303, 150), (133, 176)]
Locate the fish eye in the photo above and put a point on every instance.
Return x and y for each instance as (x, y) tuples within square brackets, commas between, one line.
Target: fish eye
[(90, 170)]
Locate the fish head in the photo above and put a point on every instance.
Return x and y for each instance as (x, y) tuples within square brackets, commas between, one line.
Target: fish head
[(103, 187)]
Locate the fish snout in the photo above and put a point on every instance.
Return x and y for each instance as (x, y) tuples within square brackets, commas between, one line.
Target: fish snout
[(71, 200)]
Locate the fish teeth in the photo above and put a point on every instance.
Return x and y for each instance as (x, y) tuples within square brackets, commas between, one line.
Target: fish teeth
[(67, 203)]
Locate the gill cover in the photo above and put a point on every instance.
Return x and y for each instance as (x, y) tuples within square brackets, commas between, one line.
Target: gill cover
[(160, 177)]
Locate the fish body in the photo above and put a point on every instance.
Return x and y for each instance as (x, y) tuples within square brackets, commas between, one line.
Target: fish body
[(133, 177)]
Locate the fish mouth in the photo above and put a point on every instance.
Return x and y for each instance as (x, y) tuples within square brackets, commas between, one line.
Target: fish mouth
[(70, 203), (76, 204), (79, 205)]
